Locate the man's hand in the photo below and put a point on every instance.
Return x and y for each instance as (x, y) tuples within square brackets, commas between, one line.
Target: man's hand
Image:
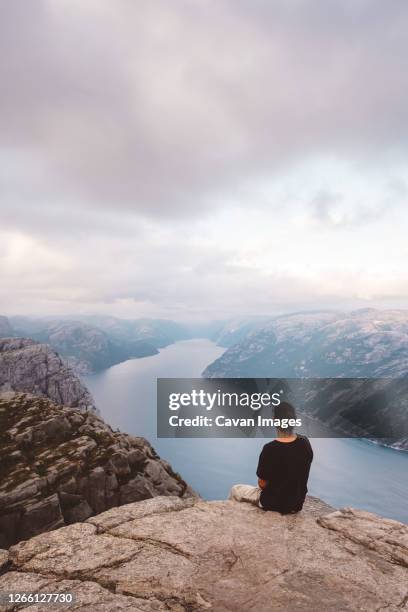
[(262, 483)]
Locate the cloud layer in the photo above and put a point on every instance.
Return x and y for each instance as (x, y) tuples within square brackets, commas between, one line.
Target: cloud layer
[(148, 150)]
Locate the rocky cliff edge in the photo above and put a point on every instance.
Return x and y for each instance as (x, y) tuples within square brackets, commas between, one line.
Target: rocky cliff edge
[(60, 465), (178, 554)]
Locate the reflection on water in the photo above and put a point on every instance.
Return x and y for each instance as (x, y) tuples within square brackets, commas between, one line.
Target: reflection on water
[(344, 472)]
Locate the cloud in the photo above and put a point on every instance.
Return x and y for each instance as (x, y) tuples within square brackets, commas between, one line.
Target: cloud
[(154, 107), (139, 140)]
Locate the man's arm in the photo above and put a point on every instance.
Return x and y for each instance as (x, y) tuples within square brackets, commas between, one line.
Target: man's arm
[(262, 483), (263, 470)]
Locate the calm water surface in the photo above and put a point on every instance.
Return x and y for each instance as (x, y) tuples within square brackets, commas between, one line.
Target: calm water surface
[(344, 471)]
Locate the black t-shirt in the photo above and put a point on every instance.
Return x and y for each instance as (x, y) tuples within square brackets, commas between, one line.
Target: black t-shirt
[(285, 465)]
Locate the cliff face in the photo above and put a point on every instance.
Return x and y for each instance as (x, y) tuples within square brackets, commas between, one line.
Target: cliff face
[(59, 465), (188, 555), (35, 368)]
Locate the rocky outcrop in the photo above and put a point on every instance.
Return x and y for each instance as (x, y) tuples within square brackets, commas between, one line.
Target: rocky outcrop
[(35, 368), (59, 465), (6, 331), (189, 555)]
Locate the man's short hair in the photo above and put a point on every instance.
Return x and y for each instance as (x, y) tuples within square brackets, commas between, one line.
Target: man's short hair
[(284, 410)]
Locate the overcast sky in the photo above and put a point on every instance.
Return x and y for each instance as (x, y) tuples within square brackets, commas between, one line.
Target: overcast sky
[(203, 158)]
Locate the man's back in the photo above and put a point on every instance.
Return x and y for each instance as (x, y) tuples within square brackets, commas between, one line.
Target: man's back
[(285, 466)]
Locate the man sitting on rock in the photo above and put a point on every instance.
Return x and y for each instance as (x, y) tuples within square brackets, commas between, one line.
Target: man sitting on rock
[(283, 470)]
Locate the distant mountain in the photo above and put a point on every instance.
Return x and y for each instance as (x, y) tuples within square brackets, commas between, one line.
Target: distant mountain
[(6, 331), (363, 343), (205, 329), (157, 332), (26, 365), (92, 343), (27, 325), (226, 332), (235, 330), (85, 347)]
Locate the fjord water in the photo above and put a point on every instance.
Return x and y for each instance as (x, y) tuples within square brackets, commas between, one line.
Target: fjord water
[(345, 472)]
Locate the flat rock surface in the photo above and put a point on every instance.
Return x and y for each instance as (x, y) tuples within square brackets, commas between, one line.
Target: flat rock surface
[(178, 554)]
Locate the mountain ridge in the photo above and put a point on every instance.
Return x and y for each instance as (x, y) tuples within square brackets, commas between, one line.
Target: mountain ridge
[(93, 343), (362, 344)]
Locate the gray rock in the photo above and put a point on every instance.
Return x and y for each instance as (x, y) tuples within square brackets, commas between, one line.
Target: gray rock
[(136, 458), (119, 464), (44, 514), (77, 467), (387, 537), (136, 489), (178, 554), (93, 488), (79, 512), (35, 368)]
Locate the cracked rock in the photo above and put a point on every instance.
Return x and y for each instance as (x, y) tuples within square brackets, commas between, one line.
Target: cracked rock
[(187, 554)]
